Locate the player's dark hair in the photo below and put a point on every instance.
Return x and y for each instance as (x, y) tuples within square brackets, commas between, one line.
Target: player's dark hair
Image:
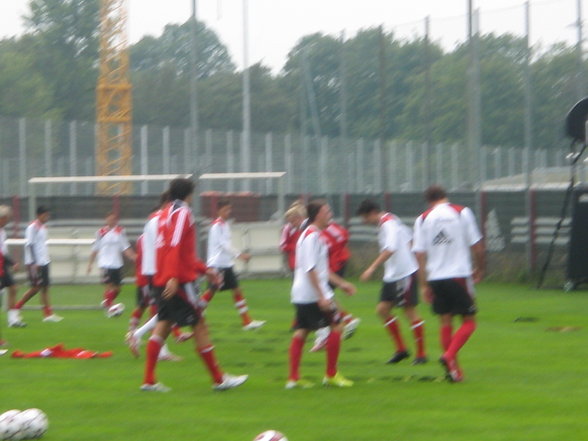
[(367, 206), (313, 208), (435, 193), (222, 202), (41, 209), (180, 188), (164, 198)]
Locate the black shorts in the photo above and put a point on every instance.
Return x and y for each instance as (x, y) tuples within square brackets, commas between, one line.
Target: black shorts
[(310, 316), (39, 278), (401, 292), (6, 279), (182, 308), (230, 280), (112, 276), (453, 296), (144, 297)]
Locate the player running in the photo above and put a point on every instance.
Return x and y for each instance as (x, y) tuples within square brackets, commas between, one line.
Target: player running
[(110, 245), (446, 237), (313, 298), (221, 257), (37, 262), (177, 270), (399, 287)]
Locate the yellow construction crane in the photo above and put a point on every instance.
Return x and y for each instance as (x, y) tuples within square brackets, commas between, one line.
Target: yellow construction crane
[(114, 105)]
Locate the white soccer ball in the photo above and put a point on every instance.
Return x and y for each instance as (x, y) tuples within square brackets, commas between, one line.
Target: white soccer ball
[(115, 310), (11, 425), (35, 423), (270, 435)]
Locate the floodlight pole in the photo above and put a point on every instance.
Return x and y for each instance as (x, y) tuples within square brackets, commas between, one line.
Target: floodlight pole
[(193, 84), (246, 158)]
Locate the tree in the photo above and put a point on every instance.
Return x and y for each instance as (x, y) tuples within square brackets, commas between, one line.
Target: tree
[(64, 43)]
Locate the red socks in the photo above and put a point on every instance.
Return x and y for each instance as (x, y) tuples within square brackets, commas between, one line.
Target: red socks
[(295, 352), (153, 347), (418, 330), (109, 297), (333, 348), (241, 306), (207, 355), (394, 330), (445, 335), (460, 338)]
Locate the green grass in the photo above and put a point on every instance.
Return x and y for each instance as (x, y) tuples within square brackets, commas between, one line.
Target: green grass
[(523, 382)]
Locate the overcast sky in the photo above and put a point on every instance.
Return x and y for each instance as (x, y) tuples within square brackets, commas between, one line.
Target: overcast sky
[(276, 25)]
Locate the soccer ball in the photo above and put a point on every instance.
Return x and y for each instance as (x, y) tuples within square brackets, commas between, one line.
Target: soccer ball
[(115, 310), (270, 435), (35, 423), (11, 425)]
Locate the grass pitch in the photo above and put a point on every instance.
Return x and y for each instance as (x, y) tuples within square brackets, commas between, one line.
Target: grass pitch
[(525, 373)]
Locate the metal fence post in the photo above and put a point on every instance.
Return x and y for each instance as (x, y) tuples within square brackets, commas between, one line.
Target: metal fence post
[(73, 156), (22, 153), (288, 163), (48, 154), (230, 159), (144, 158)]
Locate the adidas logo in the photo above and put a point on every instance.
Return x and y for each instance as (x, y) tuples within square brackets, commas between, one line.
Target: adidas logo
[(441, 239)]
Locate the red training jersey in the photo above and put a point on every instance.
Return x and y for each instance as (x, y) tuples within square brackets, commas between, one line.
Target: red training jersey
[(288, 239), (176, 255), (140, 279), (337, 237)]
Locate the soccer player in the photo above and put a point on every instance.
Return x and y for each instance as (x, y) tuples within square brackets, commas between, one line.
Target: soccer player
[(399, 288), (221, 257), (313, 298), (295, 223), (177, 270), (110, 246), (37, 262), (8, 266), (446, 237)]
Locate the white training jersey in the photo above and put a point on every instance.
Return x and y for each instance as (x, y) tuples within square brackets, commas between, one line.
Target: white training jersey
[(150, 245), (395, 237), (445, 233), (312, 253), (36, 251), (220, 250), (110, 244)]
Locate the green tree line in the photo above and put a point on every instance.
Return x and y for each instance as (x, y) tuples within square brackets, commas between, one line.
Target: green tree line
[(374, 85)]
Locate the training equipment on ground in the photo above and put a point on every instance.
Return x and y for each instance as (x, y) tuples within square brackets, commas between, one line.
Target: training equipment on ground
[(34, 423), (270, 435), (10, 425)]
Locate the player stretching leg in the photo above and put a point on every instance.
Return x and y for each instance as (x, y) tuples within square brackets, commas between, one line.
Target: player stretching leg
[(399, 286), (446, 237), (177, 270), (313, 299)]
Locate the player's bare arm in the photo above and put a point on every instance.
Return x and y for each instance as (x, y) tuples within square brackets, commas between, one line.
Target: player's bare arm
[(347, 287), (479, 254), (130, 254), (369, 272), (91, 261), (422, 276), (171, 288)]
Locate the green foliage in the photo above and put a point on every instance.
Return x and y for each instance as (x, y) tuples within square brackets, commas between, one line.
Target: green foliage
[(525, 380)]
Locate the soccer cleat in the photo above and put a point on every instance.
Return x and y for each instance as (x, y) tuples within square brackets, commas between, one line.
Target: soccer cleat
[(184, 336), (157, 387), (419, 360), (253, 324), (452, 371), (115, 310), (104, 304), (17, 324), (133, 343), (337, 381), (299, 384), (320, 340), (398, 357), (230, 382), (349, 328), (53, 318)]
